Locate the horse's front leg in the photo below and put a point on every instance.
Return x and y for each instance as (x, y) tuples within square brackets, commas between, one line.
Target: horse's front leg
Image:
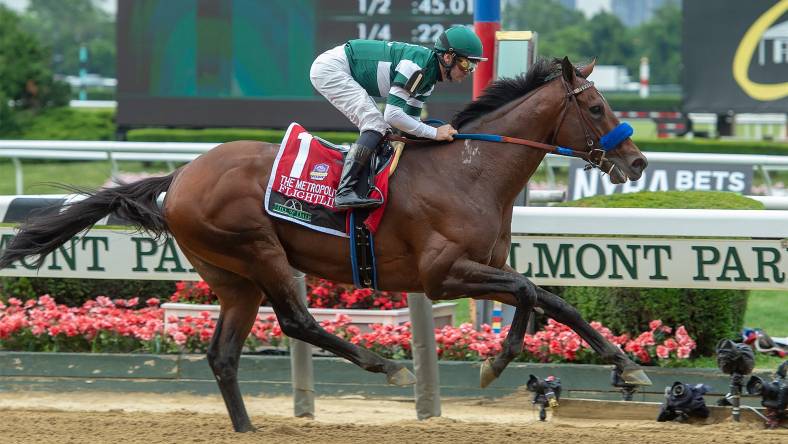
[(472, 279), (558, 309)]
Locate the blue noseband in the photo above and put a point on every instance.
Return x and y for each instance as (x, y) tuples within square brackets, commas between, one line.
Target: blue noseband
[(616, 136)]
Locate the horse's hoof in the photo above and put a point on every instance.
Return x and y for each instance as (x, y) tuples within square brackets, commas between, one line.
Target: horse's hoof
[(635, 377), (246, 429), (487, 373), (402, 377)]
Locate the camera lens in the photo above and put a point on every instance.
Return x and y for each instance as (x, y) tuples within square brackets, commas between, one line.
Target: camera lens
[(755, 386)]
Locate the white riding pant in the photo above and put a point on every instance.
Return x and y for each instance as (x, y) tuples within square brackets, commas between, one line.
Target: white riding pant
[(331, 76)]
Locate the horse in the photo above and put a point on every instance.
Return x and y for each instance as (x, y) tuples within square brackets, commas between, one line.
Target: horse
[(446, 230)]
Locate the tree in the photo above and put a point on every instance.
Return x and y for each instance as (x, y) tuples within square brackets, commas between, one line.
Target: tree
[(65, 25), (563, 31), (544, 16), (25, 77), (660, 40), (609, 41), (566, 32)]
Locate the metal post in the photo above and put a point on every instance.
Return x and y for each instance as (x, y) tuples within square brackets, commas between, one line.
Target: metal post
[(113, 164), (767, 180), (83, 72), (644, 77), (301, 368), (20, 181), (550, 172), (425, 359), (736, 385)]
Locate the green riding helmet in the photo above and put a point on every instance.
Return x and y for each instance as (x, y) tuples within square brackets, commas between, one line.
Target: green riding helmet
[(462, 41)]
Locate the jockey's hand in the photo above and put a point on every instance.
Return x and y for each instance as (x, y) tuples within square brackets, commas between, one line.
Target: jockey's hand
[(446, 132)]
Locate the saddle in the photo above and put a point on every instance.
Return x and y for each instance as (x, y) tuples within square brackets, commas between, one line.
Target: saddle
[(303, 184)]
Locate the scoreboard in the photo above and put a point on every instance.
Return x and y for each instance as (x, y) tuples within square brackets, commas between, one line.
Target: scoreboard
[(245, 63), (413, 21)]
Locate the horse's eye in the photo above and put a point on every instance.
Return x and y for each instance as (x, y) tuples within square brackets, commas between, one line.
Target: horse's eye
[(596, 110)]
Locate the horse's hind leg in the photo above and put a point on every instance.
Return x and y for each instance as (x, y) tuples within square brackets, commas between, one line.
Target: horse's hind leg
[(563, 312), (240, 299), (273, 274), (511, 347), (467, 278)]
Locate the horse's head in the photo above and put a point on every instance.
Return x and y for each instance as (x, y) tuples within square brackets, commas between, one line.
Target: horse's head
[(588, 124)]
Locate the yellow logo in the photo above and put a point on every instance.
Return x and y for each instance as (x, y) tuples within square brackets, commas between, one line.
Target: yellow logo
[(745, 51)]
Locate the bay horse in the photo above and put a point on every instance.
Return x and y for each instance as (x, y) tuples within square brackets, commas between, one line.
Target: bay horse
[(446, 233)]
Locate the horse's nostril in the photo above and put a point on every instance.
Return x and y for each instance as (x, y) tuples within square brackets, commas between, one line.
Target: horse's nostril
[(639, 164)]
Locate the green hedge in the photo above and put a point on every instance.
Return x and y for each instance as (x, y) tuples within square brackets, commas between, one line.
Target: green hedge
[(709, 315), (94, 93), (680, 145), (74, 292), (61, 124), (718, 200), (631, 102)]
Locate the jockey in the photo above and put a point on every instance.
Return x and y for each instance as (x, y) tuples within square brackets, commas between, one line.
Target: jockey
[(351, 74)]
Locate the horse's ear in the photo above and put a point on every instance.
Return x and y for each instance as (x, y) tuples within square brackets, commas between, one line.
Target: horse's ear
[(587, 69), (567, 70)]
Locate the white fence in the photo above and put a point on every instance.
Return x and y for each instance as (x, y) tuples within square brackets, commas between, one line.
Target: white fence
[(743, 249), (169, 152), (179, 152)]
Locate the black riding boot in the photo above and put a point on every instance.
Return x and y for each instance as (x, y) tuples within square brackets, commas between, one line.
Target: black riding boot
[(356, 165)]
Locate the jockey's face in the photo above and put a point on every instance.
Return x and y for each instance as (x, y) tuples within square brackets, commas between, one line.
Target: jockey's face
[(457, 73)]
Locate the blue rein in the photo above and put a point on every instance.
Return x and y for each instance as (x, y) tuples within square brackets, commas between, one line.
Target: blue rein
[(608, 142)]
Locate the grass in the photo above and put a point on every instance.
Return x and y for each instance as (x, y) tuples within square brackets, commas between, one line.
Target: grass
[(768, 310), (669, 199), (462, 312), (762, 362)]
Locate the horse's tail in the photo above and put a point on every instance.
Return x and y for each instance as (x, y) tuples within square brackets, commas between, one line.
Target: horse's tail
[(135, 202)]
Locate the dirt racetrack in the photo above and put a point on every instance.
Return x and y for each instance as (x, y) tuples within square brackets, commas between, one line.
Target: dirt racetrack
[(151, 419)]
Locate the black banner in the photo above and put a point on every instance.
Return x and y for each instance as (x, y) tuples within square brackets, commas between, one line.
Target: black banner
[(735, 56), (661, 177)]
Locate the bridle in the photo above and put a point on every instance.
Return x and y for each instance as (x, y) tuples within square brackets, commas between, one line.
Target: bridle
[(607, 142), (594, 156)]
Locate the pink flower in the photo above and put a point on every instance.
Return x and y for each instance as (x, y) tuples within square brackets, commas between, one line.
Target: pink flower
[(655, 324), (179, 338), (663, 352), (683, 352), (671, 344), (646, 338)]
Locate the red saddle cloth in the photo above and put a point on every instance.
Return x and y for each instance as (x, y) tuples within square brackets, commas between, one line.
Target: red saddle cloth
[(303, 184)]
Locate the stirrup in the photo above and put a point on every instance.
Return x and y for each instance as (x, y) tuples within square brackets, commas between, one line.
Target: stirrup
[(353, 200)]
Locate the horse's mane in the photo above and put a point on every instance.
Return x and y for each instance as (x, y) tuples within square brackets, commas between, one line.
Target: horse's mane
[(504, 90)]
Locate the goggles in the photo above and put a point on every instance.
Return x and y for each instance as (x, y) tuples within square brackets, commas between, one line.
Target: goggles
[(466, 64)]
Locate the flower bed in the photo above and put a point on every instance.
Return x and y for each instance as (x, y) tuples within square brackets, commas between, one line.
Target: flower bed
[(104, 325)]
